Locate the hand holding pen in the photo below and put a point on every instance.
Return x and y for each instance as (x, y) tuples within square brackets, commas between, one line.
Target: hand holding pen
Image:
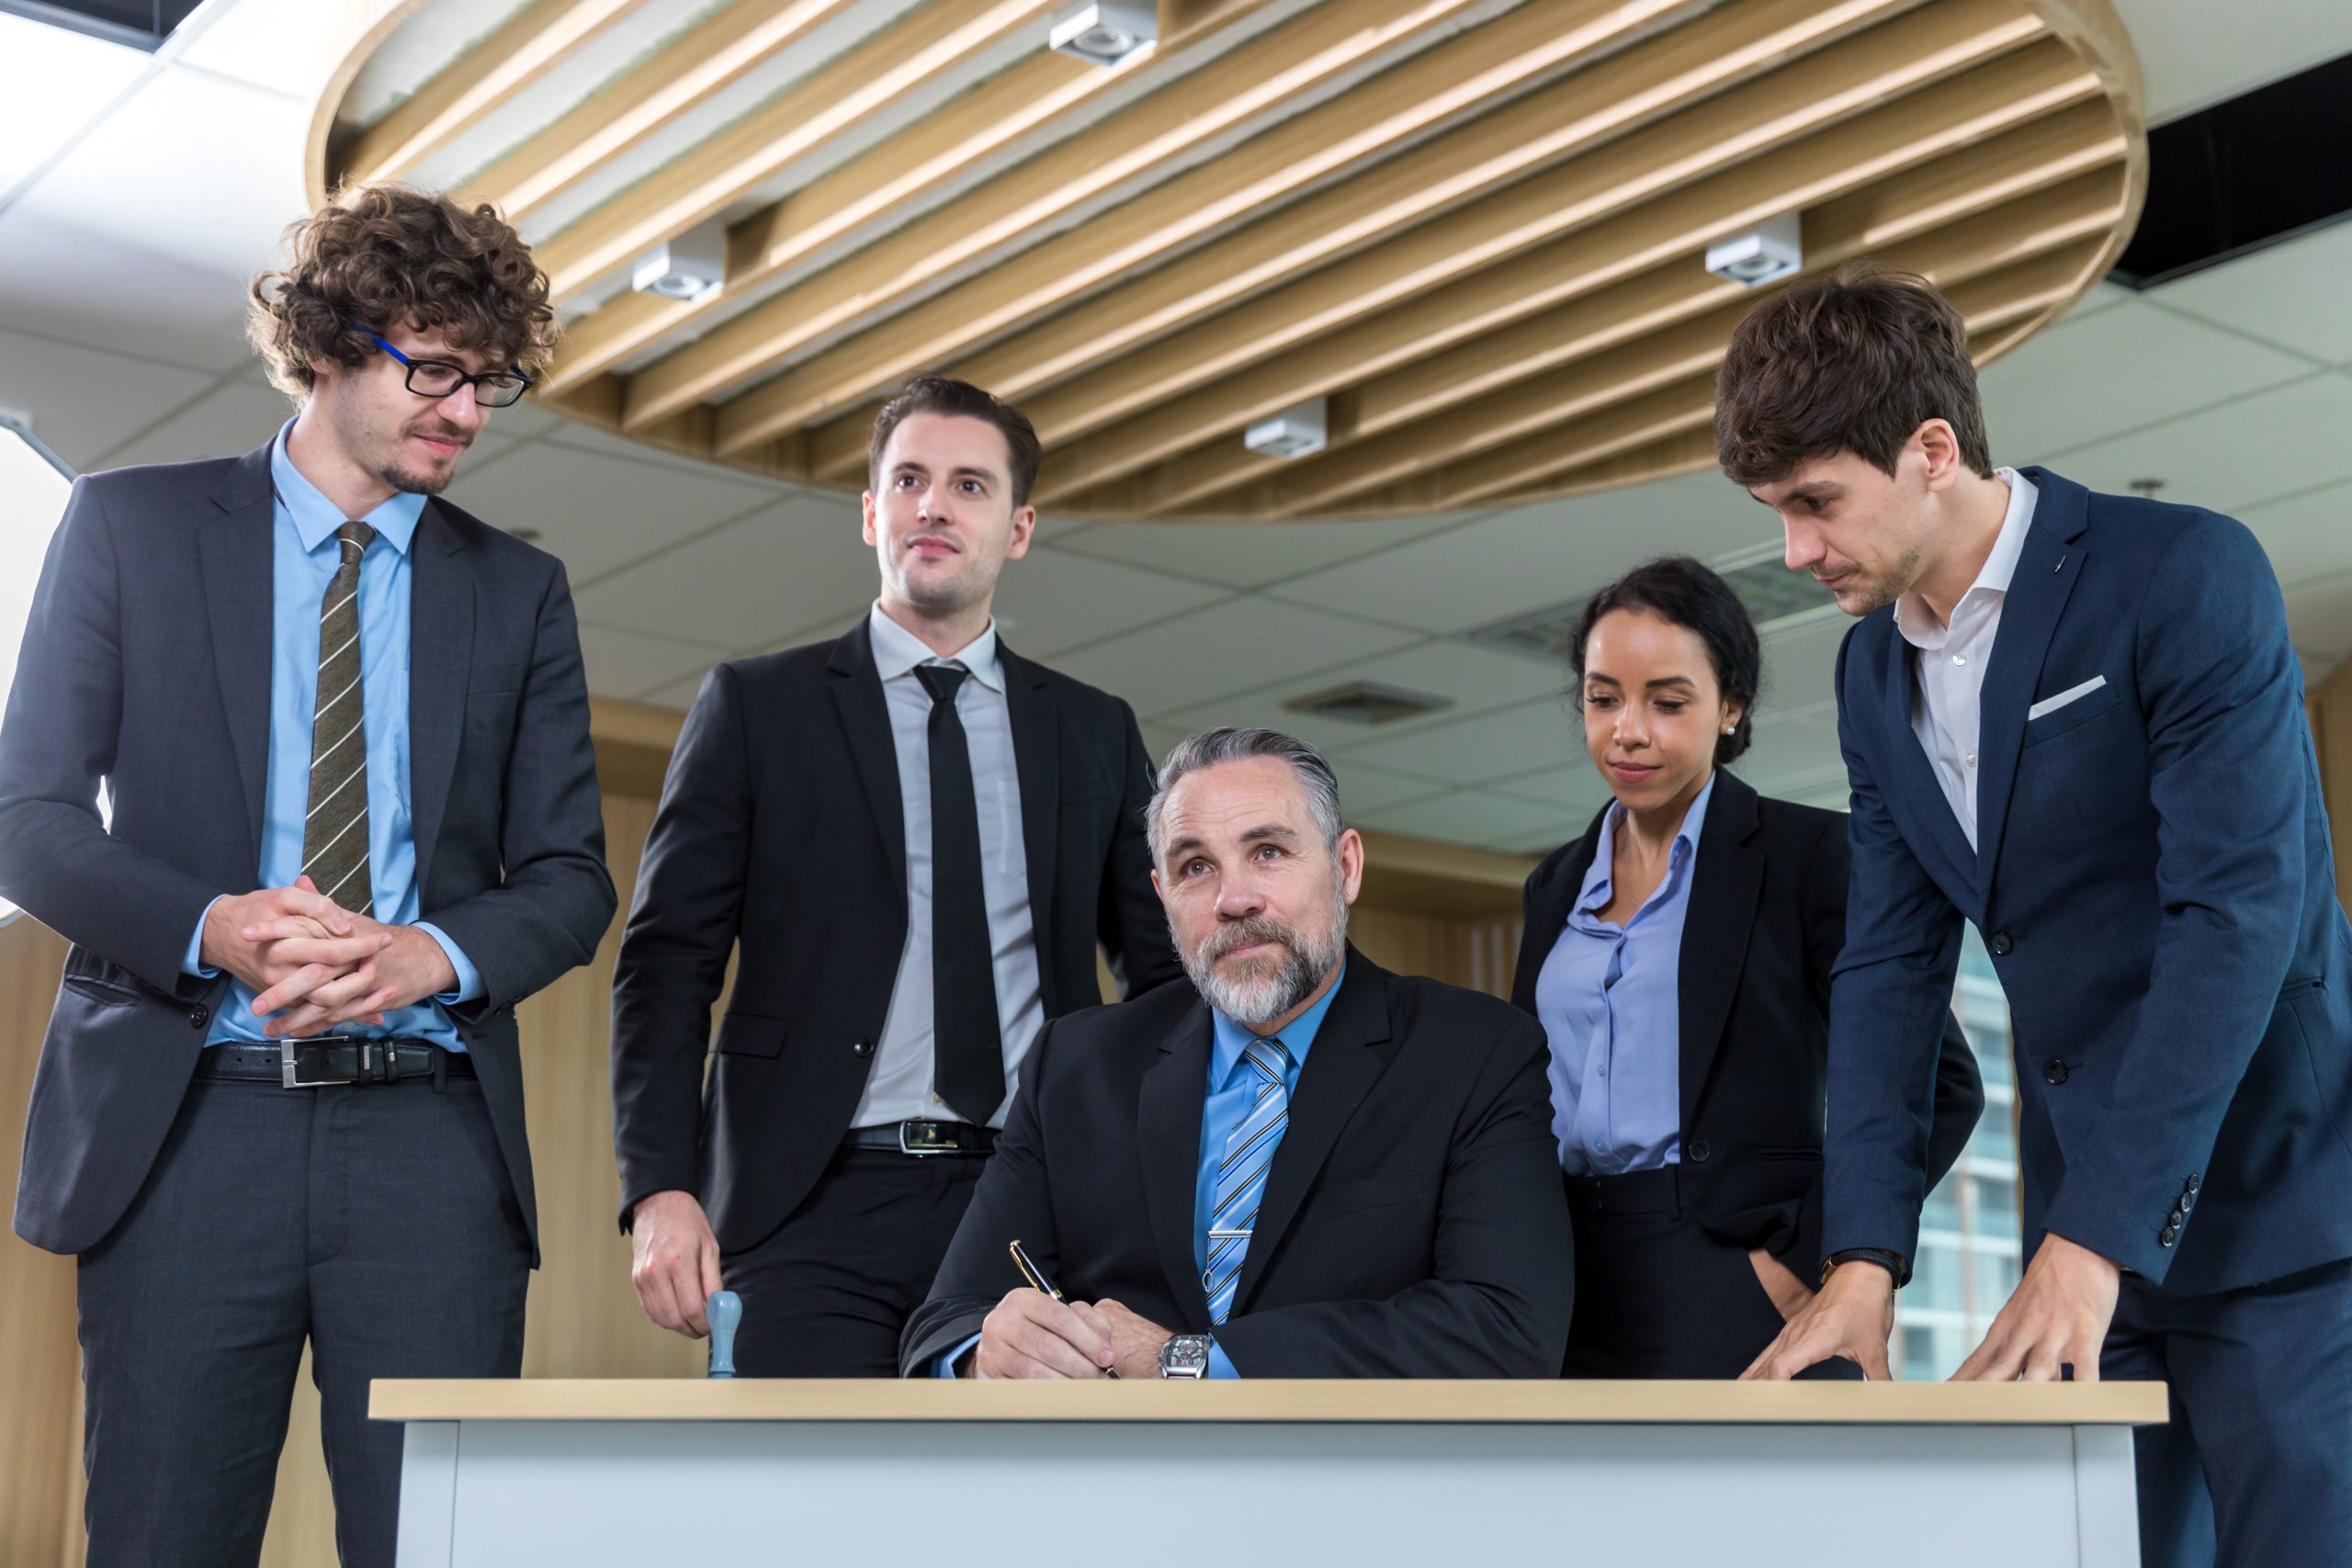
[(1037, 1333)]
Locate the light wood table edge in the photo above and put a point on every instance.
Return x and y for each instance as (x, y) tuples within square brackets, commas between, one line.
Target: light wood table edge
[(1271, 1400)]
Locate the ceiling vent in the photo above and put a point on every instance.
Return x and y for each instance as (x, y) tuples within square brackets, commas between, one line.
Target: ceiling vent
[(1771, 592), (1367, 703)]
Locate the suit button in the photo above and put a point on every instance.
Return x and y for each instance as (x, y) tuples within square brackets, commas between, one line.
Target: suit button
[(2190, 1184), (2053, 1072), (2169, 1234), (1698, 1151), (860, 1048), (2179, 1213), (2000, 944), (2188, 1201), (198, 1017)]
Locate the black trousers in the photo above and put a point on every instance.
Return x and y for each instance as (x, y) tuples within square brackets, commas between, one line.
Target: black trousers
[(377, 1224), (1657, 1296), (826, 1294), (2255, 1466)]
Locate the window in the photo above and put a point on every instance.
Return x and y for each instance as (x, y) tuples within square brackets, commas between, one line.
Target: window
[(33, 485)]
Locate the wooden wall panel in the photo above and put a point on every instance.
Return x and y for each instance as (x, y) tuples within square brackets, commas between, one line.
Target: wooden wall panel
[(39, 1391), (2329, 706)]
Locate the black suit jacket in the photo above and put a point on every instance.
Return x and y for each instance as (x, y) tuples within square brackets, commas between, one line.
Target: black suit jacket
[(146, 664), (1762, 932), (780, 832), (1413, 1225)]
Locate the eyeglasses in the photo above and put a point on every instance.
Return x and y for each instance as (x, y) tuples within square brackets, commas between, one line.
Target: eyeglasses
[(438, 377)]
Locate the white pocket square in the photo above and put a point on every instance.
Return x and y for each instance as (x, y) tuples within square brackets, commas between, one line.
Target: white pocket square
[(2071, 695)]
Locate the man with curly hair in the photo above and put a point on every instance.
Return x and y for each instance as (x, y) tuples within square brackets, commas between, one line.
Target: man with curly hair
[(344, 729)]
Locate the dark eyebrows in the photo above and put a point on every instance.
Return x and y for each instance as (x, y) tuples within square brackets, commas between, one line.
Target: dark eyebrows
[(911, 466), (1265, 833), (1595, 675)]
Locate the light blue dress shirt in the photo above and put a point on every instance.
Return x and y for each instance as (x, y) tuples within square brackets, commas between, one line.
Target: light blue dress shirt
[(1608, 998), (1231, 1093), (304, 558)]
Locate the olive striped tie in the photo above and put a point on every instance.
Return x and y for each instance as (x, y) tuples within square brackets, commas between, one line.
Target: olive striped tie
[(335, 834)]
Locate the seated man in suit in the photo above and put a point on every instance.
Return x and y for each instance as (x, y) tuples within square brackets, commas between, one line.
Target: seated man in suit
[(1302, 1167)]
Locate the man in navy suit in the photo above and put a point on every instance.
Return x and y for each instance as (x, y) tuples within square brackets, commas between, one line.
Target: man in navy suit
[(2075, 720)]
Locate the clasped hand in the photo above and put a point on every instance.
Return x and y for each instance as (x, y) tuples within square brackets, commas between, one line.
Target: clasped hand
[(1030, 1334), (315, 965)]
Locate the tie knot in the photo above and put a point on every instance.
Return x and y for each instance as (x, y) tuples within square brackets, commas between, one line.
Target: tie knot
[(1270, 1057), (941, 681), (361, 534)]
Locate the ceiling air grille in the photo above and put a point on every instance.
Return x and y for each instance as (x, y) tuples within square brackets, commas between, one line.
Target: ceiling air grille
[(1772, 592), (1364, 702)]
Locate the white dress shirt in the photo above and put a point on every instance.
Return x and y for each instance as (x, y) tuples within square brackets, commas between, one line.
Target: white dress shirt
[(899, 1087), (1949, 661)]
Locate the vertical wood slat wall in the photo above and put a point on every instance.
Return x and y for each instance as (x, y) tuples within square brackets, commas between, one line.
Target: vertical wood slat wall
[(582, 1318)]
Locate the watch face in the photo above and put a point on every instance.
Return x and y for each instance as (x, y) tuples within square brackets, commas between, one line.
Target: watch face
[(1187, 1353)]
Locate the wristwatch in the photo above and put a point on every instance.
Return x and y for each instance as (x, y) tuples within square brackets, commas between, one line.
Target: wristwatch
[(1897, 1268), (1185, 1355)]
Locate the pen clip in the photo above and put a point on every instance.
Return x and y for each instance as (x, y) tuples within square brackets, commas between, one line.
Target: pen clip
[(1031, 1272)]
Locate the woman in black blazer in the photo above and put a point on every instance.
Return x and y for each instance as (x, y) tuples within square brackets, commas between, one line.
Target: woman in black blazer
[(1678, 956)]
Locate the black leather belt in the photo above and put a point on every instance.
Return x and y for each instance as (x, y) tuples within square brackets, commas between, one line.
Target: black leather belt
[(923, 1138), (333, 1059)]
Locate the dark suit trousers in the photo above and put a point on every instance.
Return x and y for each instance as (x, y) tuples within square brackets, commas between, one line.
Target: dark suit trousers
[(377, 1223), (827, 1294), (1657, 1296), (2255, 1465)]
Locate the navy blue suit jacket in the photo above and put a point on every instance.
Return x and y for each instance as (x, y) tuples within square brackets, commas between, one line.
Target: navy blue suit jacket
[(2155, 880)]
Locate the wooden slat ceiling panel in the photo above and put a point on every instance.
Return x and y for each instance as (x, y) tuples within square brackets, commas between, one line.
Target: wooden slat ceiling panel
[(1476, 227)]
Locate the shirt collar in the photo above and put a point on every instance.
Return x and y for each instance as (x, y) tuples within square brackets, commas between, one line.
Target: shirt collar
[(1232, 1039), (1596, 889), (1912, 617), (316, 518), (898, 650)]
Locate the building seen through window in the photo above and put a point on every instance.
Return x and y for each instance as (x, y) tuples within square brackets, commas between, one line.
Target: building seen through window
[(1969, 1250)]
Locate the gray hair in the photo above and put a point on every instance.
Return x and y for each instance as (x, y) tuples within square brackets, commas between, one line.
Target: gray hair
[(1212, 746)]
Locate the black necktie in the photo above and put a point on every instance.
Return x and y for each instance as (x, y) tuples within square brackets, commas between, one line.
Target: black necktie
[(966, 1044)]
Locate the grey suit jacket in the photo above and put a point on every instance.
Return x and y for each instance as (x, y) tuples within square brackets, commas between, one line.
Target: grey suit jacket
[(146, 665)]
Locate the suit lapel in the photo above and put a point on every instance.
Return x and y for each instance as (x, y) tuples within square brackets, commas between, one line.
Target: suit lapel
[(440, 661), (1352, 1050), (240, 583), (1911, 791), (1547, 912), (865, 721), (1168, 1138), (1036, 758), (2048, 567), (1726, 878)]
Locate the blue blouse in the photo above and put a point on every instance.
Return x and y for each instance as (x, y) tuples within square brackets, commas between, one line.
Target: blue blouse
[(1608, 996)]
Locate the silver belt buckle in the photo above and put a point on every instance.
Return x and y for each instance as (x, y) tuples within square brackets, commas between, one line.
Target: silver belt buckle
[(925, 1151), (287, 1075)]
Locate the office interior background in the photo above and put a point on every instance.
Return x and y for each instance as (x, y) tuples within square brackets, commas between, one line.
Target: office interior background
[(888, 185)]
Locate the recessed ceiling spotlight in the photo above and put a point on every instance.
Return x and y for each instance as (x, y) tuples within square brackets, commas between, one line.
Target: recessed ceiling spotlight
[(1762, 254), (1296, 432), (692, 267), (1109, 32)]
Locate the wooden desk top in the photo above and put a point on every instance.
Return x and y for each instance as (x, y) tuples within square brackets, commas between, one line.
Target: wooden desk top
[(691, 1399)]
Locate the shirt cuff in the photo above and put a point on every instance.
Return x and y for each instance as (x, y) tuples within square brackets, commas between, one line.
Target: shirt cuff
[(468, 977), (944, 1366), (1220, 1364), (194, 962)]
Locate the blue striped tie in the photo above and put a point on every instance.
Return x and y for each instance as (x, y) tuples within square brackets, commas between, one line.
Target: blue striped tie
[(1241, 1175)]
